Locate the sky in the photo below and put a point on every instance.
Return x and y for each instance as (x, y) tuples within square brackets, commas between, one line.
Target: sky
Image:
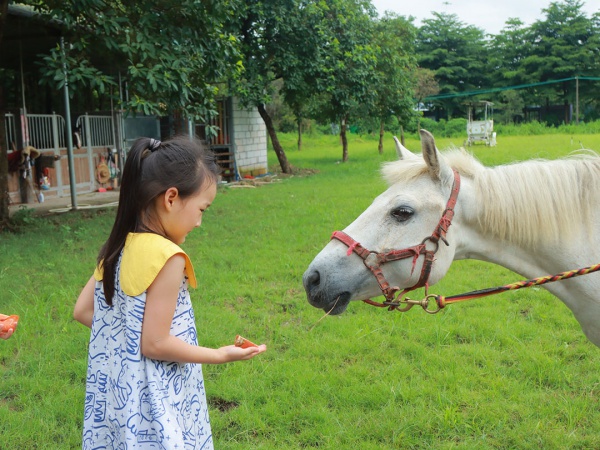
[(490, 15)]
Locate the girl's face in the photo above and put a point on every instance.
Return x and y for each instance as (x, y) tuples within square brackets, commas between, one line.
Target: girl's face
[(183, 215)]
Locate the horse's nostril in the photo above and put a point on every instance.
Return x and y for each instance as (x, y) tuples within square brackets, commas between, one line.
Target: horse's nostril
[(313, 280)]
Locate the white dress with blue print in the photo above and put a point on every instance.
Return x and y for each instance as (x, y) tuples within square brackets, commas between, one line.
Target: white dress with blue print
[(133, 402)]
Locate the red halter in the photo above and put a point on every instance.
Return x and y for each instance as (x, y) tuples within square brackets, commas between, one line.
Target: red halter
[(374, 260)]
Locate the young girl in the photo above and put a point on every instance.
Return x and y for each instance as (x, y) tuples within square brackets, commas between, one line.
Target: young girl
[(144, 384)]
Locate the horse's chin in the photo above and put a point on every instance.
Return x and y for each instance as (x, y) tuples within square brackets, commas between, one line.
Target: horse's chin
[(337, 305)]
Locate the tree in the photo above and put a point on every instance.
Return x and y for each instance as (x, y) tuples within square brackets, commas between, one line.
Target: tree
[(511, 104), (304, 59), (426, 86), (393, 77), (347, 78), (565, 45), (171, 55), (4, 212), (456, 53), (297, 100), (507, 51), (264, 29)]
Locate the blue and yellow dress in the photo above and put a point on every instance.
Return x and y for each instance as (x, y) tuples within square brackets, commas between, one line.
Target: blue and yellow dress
[(133, 402)]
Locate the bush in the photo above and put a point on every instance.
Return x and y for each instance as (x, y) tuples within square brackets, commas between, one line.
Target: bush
[(433, 126), (445, 128), (581, 128), (456, 128), (23, 216), (536, 128)]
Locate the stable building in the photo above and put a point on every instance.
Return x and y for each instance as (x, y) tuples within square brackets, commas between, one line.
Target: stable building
[(50, 148)]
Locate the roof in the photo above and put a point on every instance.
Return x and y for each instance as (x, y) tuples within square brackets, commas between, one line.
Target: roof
[(26, 35)]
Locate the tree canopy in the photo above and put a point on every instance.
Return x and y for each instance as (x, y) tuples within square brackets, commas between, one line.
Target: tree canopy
[(334, 61), (456, 53), (563, 44), (172, 57)]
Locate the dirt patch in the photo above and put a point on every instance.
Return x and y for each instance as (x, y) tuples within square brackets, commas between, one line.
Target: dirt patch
[(296, 172), (221, 404)]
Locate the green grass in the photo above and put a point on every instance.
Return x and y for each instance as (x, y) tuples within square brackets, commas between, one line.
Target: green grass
[(512, 371)]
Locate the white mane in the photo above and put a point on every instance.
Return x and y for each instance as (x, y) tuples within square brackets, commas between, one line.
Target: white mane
[(525, 202)]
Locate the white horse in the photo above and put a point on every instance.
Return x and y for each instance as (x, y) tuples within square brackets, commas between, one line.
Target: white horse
[(535, 218)]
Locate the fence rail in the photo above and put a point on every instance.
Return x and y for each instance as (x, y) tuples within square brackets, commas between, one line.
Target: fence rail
[(46, 131), (11, 131), (96, 131)]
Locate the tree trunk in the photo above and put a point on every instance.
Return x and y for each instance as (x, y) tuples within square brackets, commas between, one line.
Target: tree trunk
[(381, 132), (299, 122), (402, 136), (283, 161), (179, 123), (4, 213), (344, 140)]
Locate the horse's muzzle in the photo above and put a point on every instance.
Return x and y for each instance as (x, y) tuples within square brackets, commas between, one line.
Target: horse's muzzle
[(319, 298)]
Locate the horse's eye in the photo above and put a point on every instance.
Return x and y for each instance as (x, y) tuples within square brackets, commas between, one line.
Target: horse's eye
[(402, 214)]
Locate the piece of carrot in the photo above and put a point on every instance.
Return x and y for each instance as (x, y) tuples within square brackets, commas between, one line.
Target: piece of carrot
[(8, 323), (243, 342)]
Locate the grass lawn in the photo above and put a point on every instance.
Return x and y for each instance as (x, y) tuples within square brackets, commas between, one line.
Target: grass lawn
[(511, 371)]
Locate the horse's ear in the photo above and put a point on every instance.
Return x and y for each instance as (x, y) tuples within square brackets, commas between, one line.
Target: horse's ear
[(402, 151), (437, 167)]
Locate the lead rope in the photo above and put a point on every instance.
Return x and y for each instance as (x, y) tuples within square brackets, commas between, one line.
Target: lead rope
[(441, 301)]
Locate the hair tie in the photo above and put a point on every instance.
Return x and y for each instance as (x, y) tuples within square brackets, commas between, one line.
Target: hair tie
[(154, 144)]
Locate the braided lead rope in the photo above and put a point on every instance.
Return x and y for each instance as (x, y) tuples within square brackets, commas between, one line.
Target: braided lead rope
[(441, 301)]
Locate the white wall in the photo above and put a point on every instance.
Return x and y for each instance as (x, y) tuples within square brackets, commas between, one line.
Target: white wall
[(249, 140)]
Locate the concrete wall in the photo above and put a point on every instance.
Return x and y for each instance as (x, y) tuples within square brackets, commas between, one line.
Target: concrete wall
[(249, 140)]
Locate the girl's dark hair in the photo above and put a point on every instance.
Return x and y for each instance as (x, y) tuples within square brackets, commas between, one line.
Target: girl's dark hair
[(151, 168)]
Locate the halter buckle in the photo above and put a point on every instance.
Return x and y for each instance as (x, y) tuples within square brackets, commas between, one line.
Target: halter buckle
[(409, 303)]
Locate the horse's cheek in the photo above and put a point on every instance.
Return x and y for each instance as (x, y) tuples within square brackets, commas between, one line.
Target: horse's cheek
[(441, 266)]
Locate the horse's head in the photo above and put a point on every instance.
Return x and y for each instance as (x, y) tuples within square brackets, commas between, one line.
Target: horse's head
[(401, 218)]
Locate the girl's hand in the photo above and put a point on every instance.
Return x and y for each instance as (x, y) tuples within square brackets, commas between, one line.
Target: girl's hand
[(8, 324), (232, 353), (6, 334)]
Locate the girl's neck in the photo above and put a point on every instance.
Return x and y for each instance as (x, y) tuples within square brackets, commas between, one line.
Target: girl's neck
[(150, 224)]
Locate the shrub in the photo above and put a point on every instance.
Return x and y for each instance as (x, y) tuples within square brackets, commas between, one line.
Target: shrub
[(456, 128)]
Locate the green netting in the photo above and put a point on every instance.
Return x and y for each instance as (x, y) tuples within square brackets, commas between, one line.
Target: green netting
[(506, 88)]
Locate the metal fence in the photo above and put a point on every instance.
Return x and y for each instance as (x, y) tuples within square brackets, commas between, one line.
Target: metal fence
[(96, 131), (11, 131), (46, 131)]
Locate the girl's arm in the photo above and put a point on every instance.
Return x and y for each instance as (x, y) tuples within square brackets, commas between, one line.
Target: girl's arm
[(84, 307), (158, 343)]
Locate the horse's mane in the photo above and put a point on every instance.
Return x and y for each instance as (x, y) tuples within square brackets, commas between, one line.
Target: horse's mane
[(524, 202)]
